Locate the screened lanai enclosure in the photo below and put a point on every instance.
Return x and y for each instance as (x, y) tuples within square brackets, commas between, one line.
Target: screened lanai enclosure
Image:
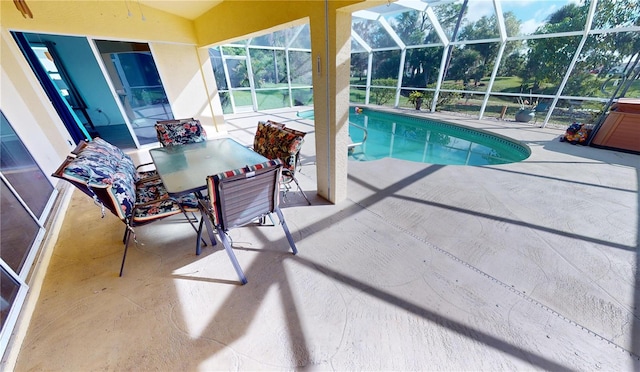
[(266, 72), (563, 60)]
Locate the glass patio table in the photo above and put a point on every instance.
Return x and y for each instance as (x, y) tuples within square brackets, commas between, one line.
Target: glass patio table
[(184, 168)]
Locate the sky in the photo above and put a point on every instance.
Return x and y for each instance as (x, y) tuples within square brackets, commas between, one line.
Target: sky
[(531, 13)]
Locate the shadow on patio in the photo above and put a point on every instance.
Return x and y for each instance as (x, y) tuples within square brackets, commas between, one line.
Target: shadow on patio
[(510, 267)]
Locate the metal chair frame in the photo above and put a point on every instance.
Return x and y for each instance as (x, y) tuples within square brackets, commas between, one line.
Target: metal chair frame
[(102, 194), (290, 159), (237, 198)]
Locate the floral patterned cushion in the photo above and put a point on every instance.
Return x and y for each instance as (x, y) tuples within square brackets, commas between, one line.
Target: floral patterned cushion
[(149, 190), (103, 151), (283, 127), (213, 179), (100, 165), (97, 173), (180, 132), (153, 202), (276, 143), (123, 191), (152, 189)]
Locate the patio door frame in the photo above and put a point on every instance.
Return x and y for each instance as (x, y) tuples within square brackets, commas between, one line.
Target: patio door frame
[(30, 252), (64, 110), (251, 88)]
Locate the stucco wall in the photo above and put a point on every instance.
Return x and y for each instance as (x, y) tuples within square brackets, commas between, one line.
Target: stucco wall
[(171, 38), (189, 87)]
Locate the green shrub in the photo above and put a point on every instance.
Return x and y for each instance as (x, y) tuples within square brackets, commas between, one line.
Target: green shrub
[(381, 96)]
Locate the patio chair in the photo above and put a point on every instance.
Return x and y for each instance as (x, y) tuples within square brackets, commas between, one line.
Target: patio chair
[(274, 141), (144, 177), (180, 132), (99, 142), (239, 197), (108, 176)]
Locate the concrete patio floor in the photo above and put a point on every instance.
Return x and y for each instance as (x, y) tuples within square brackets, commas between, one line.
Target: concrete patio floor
[(525, 266)]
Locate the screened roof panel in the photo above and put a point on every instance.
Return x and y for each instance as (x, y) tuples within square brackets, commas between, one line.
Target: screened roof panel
[(534, 17), (356, 47), (413, 27), (611, 13), (278, 38), (373, 33), (448, 13), (480, 21), (303, 38)]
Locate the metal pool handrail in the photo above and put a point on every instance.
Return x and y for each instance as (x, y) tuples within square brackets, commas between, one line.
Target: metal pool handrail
[(364, 138)]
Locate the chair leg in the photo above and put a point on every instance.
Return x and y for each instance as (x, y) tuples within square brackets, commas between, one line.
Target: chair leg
[(204, 219), (232, 256), (299, 188), (127, 235), (292, 244), (190, 221), (263, 220), (199, 238)]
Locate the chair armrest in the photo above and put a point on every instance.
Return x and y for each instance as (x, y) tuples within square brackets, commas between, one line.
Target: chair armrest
[(147, 171)]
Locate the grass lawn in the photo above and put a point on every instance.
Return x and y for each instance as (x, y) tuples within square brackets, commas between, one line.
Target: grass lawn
[(565, 112)]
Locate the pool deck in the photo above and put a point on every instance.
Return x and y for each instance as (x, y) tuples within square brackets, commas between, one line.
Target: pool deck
[(525, 266)]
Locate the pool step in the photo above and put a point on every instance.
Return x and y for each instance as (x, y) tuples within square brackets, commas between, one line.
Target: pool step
[(357, 154)]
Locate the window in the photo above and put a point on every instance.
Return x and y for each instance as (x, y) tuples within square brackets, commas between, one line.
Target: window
[(25, 195)]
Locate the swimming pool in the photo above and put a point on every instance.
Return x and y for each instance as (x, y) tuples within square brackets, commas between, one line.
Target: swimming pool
[(427, 141)]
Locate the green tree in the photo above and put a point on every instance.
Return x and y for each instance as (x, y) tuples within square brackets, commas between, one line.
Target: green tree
[(465, 65), (548, 58), (487, 28), (269, 67), (373, 33), (448, 14), (415, 28), (513, 64), (484, 28), (607, 50), (422, 64), (615, 13), (385, 64)]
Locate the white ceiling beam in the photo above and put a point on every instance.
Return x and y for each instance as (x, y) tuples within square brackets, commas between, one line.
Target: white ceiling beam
[(360, 41), (436, 26), (392, 33), (366, 14)]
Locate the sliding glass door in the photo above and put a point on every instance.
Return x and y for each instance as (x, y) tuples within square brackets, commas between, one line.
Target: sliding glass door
[(26, 196), (135, 78), (106, 89)]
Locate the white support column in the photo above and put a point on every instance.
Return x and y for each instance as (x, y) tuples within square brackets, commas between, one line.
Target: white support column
[(369, 66), (331, 49)]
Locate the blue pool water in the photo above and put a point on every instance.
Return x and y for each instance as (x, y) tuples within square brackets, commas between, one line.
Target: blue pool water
[(427, 141)]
